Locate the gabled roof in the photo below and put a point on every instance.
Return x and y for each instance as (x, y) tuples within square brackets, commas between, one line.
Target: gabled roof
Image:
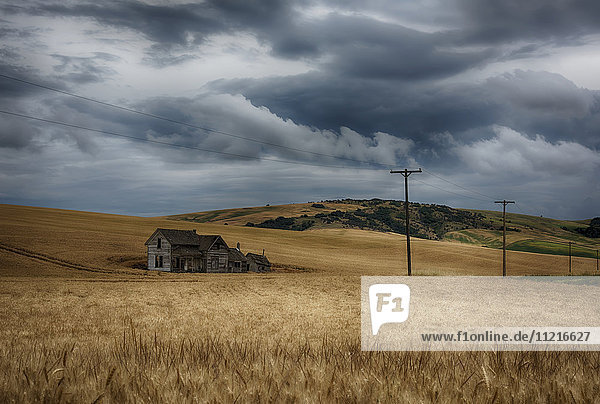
[(188, 238), (177, 237), (187, 250), (206, 242), (236, 255), (259, 259)]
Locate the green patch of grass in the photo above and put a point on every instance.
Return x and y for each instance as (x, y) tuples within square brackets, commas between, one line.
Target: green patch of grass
[(457, 236), (489, 239), (545, 247), (199, 219), (246, 212)]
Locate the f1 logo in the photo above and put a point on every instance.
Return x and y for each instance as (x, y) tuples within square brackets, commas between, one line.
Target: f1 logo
[(389, 303)]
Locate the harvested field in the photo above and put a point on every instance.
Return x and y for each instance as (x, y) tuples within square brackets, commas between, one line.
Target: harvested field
[(121, 334)]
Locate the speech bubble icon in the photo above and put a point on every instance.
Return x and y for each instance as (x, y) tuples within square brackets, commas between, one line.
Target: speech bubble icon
[(389, 304)]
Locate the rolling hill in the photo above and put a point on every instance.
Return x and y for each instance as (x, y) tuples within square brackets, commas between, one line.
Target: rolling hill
[(434, 222), (54, 242)]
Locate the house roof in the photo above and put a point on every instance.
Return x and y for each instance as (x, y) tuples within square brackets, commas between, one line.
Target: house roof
[(236, 255), (206, 242), (188, 238), (259, 259), (173, 236)]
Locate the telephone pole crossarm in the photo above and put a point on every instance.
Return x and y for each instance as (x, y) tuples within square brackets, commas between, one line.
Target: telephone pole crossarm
[(405, 173), (504, 203)]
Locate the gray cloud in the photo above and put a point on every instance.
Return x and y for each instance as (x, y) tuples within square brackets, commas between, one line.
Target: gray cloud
[(83, 70), (357, 45), (543, 93), (536, 102), (16, 134), (236, 115), (172, 28), (363, 47), (561, 21), (391, 82), (511, 153)]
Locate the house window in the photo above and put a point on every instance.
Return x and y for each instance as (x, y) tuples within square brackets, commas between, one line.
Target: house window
[(177, 262), (158, 261), (159, 243), (237, 264)]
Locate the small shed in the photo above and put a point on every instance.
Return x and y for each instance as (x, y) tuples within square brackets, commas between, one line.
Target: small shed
[(258, 263)]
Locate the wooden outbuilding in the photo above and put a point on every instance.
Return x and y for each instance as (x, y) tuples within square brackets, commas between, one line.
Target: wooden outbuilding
[(258, 263)]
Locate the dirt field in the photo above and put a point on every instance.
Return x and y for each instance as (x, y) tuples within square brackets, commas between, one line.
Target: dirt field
[(80, 324)]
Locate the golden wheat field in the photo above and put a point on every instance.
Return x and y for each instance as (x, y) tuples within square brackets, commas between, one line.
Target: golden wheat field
[(81, 324)]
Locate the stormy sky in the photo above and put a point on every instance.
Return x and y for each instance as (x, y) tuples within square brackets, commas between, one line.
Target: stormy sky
[(252, 102)]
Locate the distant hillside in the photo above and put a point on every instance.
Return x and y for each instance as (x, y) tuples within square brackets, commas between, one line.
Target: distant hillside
[(429, 221)]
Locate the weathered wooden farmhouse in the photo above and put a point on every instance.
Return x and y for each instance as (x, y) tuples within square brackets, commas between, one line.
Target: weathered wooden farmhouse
[(185, 251)]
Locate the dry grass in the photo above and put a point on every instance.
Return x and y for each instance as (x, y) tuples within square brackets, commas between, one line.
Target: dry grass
[(259, 214), (112, 241), (255, 339), (125, 335)]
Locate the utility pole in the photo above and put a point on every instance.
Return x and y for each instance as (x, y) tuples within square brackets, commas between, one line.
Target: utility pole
[(504, 203), (405, 173), (570, 265)]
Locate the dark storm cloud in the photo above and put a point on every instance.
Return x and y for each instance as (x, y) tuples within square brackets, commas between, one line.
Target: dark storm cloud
[(359, 45), (391, 81), (165, 24), (543, 93), (16, 133), (363, 47), (355, 45), (367, 105), (12, 91), (174, 27), (510, 20), (529, 101)]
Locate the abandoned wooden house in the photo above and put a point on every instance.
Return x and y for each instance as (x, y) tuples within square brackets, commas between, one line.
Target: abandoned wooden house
[(185, 251)]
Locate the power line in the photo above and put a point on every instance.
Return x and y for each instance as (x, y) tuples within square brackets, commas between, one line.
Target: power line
[(220, 132), (459, 186), (105, 132), (174, 121), (451, 192), (520, 210)]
